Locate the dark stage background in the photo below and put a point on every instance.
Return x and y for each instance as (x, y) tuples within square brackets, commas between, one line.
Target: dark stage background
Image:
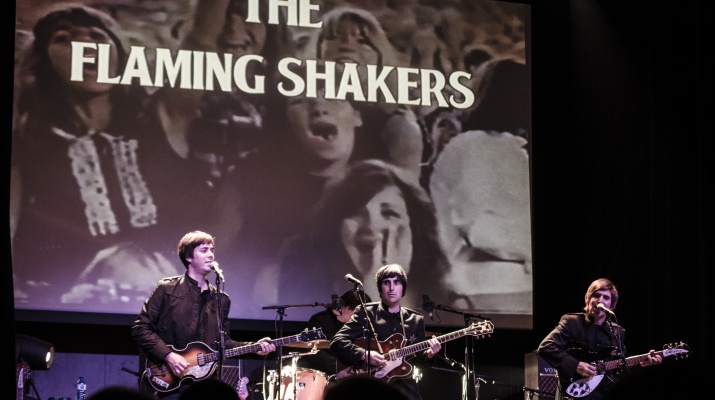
[(620, 184)]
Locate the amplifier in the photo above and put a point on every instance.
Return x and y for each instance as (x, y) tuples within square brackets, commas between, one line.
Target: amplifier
[(539, 375)]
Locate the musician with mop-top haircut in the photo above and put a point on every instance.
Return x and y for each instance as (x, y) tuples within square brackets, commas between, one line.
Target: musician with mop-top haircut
[(185, 309), (384, 319)]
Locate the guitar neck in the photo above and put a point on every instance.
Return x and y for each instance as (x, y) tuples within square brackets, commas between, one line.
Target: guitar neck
[(252, 348), (630, 361), (414, 348)]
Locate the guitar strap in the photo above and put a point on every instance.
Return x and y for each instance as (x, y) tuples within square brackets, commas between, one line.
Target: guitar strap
[(615, 334), (372, 328), (402, 322), (377, 339)]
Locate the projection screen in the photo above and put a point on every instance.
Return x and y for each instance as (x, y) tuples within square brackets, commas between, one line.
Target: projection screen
[(312, 139)]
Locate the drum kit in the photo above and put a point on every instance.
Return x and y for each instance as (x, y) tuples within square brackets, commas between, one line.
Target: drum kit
[(299, 383)]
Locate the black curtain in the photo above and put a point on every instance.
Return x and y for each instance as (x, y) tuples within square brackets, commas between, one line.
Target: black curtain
[(621, 174)]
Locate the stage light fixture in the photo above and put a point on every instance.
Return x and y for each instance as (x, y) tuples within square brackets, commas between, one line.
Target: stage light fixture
[(37, 353)]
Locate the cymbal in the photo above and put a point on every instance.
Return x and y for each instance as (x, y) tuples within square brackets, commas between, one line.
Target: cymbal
[(315, 344)]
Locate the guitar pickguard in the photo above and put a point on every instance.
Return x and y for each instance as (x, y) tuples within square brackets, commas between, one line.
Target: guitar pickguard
[(584, 387)]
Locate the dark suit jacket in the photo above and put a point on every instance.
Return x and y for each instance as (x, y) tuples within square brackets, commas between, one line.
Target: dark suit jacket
[(577, 339)]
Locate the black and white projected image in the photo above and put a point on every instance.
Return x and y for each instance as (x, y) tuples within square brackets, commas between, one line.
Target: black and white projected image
[(311, 142)]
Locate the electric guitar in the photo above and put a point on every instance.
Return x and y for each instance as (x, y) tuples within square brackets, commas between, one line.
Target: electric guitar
[(242, 389), (203, 360), (22, 375), (396, 367), (584, 386)]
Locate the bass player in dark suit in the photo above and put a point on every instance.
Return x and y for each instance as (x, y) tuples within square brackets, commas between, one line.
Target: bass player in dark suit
[(385, 319), (182, 310), (583, 340)]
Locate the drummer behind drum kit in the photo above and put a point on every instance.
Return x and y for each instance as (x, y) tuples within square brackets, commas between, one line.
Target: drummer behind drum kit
[(299, 383)]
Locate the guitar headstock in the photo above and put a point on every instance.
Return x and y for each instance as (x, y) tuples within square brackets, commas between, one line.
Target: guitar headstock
[(243, 388), (679, 350), (22, 375), (313, 334), (480, 329)]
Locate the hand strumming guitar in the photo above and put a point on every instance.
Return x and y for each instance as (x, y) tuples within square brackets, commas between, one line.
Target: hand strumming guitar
[(376, 359), (176, 362)]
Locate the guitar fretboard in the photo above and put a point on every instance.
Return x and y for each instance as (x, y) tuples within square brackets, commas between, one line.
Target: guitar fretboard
[(252, 348), (255, 347), (630, 361), (482, 329)]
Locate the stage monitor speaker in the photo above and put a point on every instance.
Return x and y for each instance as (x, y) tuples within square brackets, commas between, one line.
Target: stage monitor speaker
[(539, 375)]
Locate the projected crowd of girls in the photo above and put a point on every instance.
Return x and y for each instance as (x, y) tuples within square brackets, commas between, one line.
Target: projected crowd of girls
[(105, 176)]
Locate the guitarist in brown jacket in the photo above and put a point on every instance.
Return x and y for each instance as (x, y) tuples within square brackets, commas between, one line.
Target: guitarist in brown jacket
[(183, 310), (392, 325), (581, 342)]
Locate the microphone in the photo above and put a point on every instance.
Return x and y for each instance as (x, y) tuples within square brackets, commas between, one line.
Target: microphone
[(427, 304), (603, 308), (215, 268), (350, 278)]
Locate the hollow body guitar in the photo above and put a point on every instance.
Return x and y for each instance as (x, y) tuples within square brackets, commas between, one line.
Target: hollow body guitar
[(395, 353), (203, 360)]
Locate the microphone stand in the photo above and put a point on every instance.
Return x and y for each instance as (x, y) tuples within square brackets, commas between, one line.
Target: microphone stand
[(281, 310), (221, 342), (365, 331), (452, 363), (469, 361), (617, 337)]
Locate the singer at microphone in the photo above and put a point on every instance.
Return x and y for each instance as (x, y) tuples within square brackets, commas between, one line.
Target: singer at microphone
[(568, 348), (169, 313), (384, 319)]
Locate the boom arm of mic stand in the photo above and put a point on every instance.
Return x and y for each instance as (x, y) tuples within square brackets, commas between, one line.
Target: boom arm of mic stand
[(443, 307), (283, 308)]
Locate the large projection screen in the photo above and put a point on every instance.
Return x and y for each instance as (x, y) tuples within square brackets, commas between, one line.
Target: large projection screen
[(313, 139)]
